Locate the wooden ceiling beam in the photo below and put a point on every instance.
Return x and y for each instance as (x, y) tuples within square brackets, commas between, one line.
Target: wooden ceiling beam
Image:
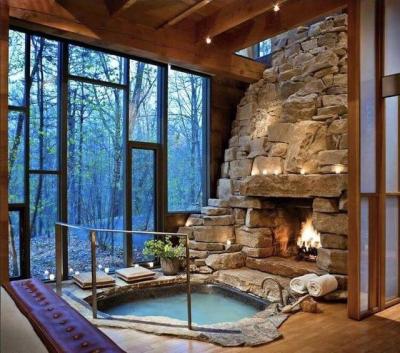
[(292, 13), (230, 16), (192, 9), (75, 20), (116, 7), (189, 2)]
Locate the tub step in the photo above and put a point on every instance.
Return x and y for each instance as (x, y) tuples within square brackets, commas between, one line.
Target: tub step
[(286, 267), (249, 280)]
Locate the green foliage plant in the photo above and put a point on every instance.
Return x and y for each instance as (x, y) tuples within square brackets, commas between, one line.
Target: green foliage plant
[(164, 249)]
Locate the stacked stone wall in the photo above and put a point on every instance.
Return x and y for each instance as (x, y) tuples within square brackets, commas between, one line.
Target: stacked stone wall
[(288, 140)]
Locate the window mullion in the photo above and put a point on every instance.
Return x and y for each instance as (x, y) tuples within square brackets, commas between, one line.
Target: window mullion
[(62, 147), (127, 171), (28, 84)]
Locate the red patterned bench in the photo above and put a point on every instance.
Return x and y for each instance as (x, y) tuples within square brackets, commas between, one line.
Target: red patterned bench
[(59, 326)]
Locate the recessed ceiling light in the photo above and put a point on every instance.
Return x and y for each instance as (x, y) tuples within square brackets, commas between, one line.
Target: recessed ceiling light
[(276, 7), (208, 40)]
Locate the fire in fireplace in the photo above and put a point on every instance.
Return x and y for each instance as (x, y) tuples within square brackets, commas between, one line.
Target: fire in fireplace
[(308, 242)]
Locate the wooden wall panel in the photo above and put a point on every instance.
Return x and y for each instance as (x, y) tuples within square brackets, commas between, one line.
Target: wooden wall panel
[(4, 20)]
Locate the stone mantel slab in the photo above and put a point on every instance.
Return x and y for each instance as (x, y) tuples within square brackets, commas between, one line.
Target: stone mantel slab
[(294, 185)]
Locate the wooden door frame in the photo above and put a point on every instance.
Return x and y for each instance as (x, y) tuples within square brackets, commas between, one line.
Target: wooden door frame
[(376, 203), (353, 304)]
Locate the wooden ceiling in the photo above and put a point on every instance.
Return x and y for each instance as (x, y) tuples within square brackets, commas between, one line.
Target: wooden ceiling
[(158, 13), (173, 31)]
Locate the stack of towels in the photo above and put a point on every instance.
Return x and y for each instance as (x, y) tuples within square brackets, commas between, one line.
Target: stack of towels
[(316, 286)]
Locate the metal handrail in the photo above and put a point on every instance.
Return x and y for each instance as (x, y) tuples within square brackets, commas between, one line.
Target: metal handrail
[(92, 233)]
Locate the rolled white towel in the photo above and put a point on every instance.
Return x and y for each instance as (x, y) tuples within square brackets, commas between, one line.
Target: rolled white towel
[(318, 287), (299, 284)]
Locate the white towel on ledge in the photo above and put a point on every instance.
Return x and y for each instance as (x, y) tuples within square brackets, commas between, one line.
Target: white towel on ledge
[(321, 286), (299, 284)]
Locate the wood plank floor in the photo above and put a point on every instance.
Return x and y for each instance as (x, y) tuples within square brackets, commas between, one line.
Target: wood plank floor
[(328, 332)]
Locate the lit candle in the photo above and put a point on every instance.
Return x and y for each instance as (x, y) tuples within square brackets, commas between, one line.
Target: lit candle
[(52, 277), (71, 270), (265, 172), (100, 267), (151, 264), (106, 270), (76, 273), (136, 265), (302, 171), (228, 242), (338, 168)]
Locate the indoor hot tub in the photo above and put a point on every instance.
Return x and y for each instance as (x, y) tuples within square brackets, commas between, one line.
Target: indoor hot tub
[(211, 303)]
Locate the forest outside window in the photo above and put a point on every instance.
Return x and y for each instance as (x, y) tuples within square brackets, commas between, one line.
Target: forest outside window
[(187, 150), (81, 119), (144, 102)]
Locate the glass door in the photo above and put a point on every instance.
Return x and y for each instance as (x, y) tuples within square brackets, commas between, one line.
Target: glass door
[(391, 117), (391, 132), (142, 201)]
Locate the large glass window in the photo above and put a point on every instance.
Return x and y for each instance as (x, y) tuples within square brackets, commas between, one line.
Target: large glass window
[(14, 242), (43, 157), (16, 155), (143, 199), (144, 123), (95, 155), (257, 51), (86, 143), (43, 215), (16, 67), (43, 115), (94, 64), (187, 112), (95, 127), (144, 107)]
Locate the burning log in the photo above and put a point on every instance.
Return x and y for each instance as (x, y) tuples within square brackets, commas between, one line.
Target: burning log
[(308, 242)]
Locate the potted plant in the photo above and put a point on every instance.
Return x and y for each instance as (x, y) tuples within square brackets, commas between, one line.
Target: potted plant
[(170, 255)]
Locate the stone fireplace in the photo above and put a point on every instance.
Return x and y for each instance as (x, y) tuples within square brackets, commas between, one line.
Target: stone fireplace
[(286, 164)]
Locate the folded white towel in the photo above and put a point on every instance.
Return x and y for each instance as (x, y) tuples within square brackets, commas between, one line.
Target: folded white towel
[(299, 284), (321, 286)]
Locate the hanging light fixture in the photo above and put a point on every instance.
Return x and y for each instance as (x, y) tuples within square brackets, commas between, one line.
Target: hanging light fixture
[(276, 7)]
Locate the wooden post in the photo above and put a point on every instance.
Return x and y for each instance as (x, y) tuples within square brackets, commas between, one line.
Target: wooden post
[(353, 305), (4, 21)]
